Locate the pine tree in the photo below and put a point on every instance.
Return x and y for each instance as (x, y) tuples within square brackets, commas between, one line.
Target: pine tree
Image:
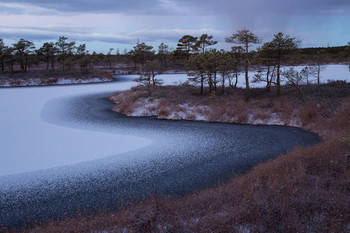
[(23, 48), (280, 45), (205, 41), (186, 46), (246, 38)]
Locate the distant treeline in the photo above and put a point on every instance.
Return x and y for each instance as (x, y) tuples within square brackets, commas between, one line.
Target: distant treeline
[(67, 55), (61, 55)]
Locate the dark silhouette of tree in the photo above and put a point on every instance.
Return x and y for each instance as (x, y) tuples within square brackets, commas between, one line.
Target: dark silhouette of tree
[(236, 52), (319, 60), (186, 46), (109, 58), (205, 41), (163, 53), (265, 57), (48, 51), (293, 78), (3, 49), (226, 66), (9, 59), (96, 59), (141, 53), (196, 65), (211, 64), (23, 49), (65, 52), (279, 46), (148, 74), (83, 57), (246, 38)]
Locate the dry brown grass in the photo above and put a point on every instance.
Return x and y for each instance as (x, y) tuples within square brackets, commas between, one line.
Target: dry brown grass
[(305, 190)]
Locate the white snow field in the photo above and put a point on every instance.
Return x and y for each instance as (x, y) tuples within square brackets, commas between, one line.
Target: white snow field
[(28, 143), (328, 73)]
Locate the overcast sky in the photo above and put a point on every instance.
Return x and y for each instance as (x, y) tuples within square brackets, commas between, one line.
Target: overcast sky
[(105, 24)]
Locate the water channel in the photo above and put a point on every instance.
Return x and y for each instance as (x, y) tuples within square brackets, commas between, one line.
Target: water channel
[(64, 151)]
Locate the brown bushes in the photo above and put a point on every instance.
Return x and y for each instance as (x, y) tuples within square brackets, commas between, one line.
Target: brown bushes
[(308, 113)]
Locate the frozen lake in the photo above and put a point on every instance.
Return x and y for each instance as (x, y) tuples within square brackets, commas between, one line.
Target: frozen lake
[(29, 143), (58, 141)]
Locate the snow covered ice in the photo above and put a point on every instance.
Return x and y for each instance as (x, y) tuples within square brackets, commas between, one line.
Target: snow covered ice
[(29, 143), (72, 165)]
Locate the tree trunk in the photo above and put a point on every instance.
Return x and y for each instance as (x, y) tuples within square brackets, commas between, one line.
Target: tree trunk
[(247, 93), (236, 74), (2, 65), (318, 74), (63, 61), (267, 79), (22, 65), (11, 67), (202, 84), (52, 64), (26, 65), (215, 82), (210, 82), (270, 81), (149, 85), (298, 89), (278, 74), (47, 62), (153, 77), (223, 84)]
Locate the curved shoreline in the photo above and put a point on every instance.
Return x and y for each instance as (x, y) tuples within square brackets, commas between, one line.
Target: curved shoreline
[(163, 167)]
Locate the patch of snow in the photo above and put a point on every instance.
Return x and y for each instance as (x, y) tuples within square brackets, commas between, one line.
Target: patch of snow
[(330, 72), (243, 229), (275, 120), (257, 122), (146, 107), (200, 117), (295, 121), (250, 118), (195, 220)]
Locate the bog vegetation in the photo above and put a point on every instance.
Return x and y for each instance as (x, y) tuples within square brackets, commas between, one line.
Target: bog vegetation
[(305, 190)]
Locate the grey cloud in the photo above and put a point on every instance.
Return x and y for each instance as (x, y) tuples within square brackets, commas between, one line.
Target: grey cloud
[(52, 33), (242, 12), (264, 17), (102, 6), (261, 7), (218, 7), (17, 8), (271, 16), (174, 34), (85, 34)]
